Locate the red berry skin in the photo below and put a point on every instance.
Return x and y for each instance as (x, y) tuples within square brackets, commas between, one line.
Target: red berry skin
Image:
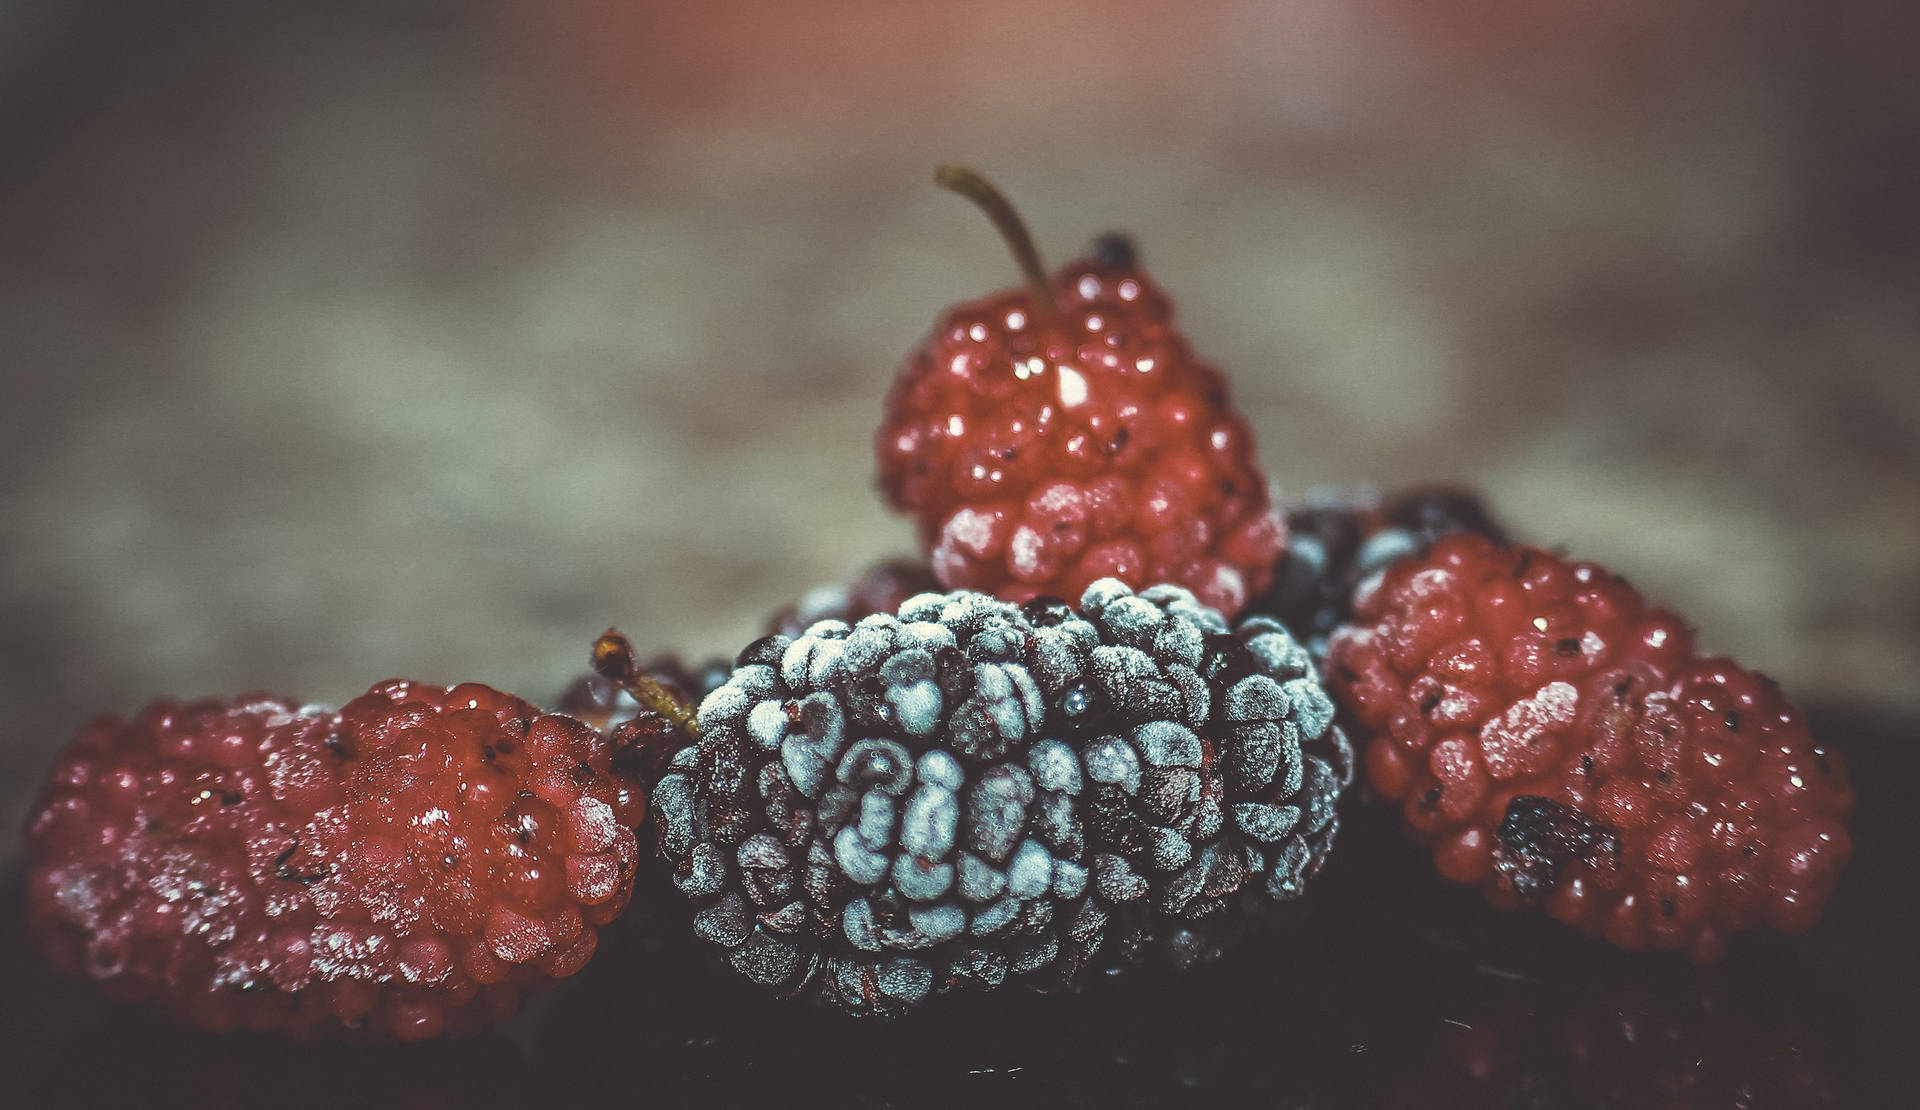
[(1556, 741), (407, 866), (1040, 451)]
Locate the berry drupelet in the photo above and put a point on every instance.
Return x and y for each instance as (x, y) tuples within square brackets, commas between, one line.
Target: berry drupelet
[(406, 866), (1048, 437), (1337, 548), (1557, 741), (969, 793)]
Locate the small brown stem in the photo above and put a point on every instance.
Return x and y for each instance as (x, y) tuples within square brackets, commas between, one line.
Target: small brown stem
[(614, 659), (967, 183)]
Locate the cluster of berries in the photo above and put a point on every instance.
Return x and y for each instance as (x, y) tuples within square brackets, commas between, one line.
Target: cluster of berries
[(1104, 719)]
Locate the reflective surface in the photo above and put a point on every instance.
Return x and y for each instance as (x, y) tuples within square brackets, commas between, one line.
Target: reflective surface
[(1393, 990)]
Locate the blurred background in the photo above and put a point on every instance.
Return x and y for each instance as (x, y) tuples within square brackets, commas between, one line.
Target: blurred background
[(344, 340)]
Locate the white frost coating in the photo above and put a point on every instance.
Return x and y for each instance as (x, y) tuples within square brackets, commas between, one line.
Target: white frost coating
[(1281, 654), (922, 608), (1111, 760), (1133, 621), (767, 724), (941, 769), (864, 648), (916, 708), (927, 829), (832, 628), (861, 865), (723, 707), (926, 635), (1519, 740), (824, 658), (918, 882), (1255, 698), (1167, 744), (938, 923), (1101, 594), (1055, 767), (877, 812), (1030, 872), (979, 880)]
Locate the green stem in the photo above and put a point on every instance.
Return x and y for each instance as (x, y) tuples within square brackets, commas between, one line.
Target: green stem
[(967, 183)]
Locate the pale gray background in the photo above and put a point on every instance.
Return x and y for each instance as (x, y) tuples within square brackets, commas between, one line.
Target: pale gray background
[(430, 339)]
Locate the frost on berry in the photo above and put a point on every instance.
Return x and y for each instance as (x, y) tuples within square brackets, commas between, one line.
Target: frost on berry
[(965, 793)]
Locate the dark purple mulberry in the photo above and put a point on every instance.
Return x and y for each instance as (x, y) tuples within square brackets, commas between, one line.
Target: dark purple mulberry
[(969, 793)]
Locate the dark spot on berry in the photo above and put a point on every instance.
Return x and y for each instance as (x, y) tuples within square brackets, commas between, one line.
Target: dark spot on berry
[(231, 798), (337, 746), (1006, 454), (1538, 837), (1428, 703), (285, 869), (1113, 250), (1225, 660), (1733, 720), (1567, 647), (487, 752), (1664, 775), (1046, 610), (1667, 907), (1621, 687), (1586, 765), (1119, 441), (1431, 798)]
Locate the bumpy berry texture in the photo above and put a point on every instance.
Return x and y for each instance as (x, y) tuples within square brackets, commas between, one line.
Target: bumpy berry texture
[(1337, 548), (406, 866), (971, 793), (1556, 741), (1042, 447)]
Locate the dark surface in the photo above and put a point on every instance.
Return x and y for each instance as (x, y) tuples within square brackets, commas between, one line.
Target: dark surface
[(1395, 990)]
